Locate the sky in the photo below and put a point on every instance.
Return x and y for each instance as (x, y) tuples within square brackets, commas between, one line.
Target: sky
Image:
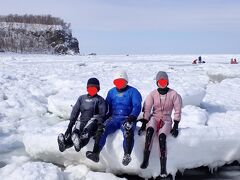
[(143, 26)]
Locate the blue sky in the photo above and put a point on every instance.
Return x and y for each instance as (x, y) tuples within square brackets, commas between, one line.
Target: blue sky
[(144, 26)]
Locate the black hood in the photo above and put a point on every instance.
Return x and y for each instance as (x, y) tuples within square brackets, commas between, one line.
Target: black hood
[(163, 91)]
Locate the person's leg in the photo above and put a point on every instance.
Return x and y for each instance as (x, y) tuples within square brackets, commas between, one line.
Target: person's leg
[(78, 128), (151, 129), (111, 126), (128, 135), (65, 142), (163, 158), (80, 125), (163, 132), (88, 132), (128, 142)]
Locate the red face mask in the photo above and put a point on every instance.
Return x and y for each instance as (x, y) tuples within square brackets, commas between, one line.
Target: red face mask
[(92, 90), (162, 83), (119, 83)]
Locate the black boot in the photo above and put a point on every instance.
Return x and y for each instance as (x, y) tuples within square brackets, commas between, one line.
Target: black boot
[(94, 155), (76, 141), (64, 142), (149, 135), (61, 142), (163, 162), (126, 159), (163, 158), (144, 164)]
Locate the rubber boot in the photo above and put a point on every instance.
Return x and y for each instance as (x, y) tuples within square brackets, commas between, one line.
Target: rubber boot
[(76, 142), (144, 164), (61, 142), (94, 155), (163, 162), (126, 159)]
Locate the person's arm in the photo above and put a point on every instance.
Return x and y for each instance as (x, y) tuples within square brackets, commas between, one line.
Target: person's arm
[(109, 104), (147, 107), (177, 103), (102, 109), (74, 114), (136, 104)]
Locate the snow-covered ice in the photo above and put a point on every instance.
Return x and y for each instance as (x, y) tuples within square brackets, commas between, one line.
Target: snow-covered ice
[(32, 171), (37, 93)]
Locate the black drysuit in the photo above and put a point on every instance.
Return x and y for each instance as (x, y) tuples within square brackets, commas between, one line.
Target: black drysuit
[(92, 111)]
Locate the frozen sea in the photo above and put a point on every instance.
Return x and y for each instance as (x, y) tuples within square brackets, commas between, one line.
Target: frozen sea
[(36, 97)]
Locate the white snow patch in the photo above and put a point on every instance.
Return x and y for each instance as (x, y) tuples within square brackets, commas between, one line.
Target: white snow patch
[(31, 86), (223, 96)]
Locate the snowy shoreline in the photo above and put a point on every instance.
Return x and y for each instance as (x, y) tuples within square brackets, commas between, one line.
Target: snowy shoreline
[(37, 92)]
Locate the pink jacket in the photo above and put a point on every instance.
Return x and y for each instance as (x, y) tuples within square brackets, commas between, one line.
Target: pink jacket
[(162, 108)]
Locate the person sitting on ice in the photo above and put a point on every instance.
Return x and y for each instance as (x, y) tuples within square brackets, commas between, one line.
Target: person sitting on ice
[(194, 61), (157, 118), (235, 61), (92, 108), (124, 103)]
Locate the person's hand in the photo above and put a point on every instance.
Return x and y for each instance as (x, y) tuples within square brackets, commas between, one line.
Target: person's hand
[(143, 127), (99, 122), (99, 132), (127, 125), (68, 133), (174, 130), (100, 126), (131, 119)]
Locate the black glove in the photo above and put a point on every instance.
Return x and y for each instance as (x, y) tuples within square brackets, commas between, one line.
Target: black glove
[(131, 119), (174, 130), (128, 123), (99, 121), (143, 127), (108, 115), (68, 133), (99, 132), (100, 125), (69, 129)]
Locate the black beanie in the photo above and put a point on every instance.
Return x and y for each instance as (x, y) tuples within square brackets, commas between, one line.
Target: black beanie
[(93, 82)]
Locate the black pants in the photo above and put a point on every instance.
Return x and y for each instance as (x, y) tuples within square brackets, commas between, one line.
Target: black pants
[(85, 131)]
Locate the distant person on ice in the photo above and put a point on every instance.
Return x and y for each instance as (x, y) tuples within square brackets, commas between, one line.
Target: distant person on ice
[(200, 60), (194, 61), (92, 108), (234, 61), (157, 111), (124, 104)]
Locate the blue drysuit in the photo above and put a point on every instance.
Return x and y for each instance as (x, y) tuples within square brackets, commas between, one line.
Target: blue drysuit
[(122, 104)]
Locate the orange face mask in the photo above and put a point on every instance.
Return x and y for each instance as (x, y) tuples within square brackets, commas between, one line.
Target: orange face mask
[(162, 83), (119, 83), (92, 90)]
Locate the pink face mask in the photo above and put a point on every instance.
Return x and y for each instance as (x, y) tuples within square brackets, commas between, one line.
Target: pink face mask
[(92, 90), (162, 83)]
